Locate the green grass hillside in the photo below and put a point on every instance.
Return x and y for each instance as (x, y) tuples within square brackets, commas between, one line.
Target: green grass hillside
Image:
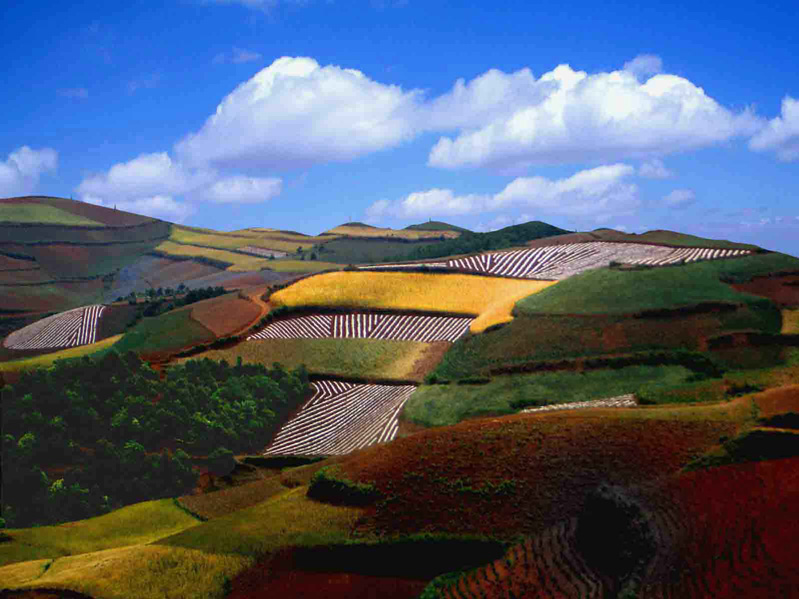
[(613, 291), (41, 213), (437, 225)]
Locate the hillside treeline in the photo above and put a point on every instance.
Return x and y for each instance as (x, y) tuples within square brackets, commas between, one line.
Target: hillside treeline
[(99, 427), (469, 242)]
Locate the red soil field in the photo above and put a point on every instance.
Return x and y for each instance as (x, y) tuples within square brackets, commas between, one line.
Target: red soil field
[(170, 273), (278, 577), (732, 532), (438, 480), (225, 315), (9, 263), (65, 260), (778, 401), (782, 290), (24, 276)]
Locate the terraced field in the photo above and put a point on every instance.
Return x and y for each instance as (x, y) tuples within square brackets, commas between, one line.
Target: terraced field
[(547, 565), (342, 417), (67, 329), (449, 293), (400, 327), (564, 260)]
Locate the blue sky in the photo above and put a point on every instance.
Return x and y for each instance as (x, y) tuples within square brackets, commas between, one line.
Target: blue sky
[(306, 114)]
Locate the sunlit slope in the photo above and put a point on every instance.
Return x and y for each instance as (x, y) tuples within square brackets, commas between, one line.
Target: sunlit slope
[(362, 230), (450, 293)]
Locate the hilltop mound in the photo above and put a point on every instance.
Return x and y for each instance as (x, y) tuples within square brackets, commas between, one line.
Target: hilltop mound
[(436, 225)]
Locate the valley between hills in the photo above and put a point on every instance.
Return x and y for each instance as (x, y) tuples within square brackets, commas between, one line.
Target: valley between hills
[(367, 412)]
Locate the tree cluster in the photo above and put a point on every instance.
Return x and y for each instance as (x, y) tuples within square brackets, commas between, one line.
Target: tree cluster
[(102, 425)]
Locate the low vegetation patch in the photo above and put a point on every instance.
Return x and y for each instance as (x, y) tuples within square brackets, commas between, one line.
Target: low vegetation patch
[(442, 405), (755, 445), (330, 486), (165, 333), (359, 358)]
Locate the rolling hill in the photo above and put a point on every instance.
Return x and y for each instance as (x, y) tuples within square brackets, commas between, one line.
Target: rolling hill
[(399, 413)]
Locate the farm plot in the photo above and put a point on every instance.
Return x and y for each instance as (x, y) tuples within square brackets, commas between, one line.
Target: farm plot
[(67, 329), (565, 260), (342, 417), (399, 327), (547, 565), (264, 253)]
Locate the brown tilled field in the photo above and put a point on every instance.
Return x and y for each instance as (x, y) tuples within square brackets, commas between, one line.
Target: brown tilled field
[(524, 473), (9, 263), (782, 290), (778, 401), (225, 315)]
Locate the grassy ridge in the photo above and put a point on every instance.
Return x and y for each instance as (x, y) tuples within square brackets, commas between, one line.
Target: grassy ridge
[(443, 405), (361, 230), (41, 213), (141, 571), (374, 358), (365, 251), (168, 332), (612, 291), (117, 529), (289, 519)]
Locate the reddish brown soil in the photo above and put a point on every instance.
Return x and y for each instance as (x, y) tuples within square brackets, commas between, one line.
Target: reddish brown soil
[(731, 532), (778, 401), (8, 263), (782, 290), (64, 260), (24, 276), (165, 272), (225, 315), (437, 480), (248, 279), (279, 577)]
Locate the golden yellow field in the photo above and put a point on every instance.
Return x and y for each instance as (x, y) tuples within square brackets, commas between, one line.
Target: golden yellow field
[(500, 311), (48, 359), (355, 231), (142, 571), (790, 322), (463, 294), (217, 240), (238, 262)]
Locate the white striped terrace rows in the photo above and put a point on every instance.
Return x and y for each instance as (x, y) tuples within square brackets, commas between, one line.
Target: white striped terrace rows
[(67, 329), (401, 327), (342, 417), (562, 261)]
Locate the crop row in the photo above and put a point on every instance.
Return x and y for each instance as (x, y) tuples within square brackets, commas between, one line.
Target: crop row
[(401, 327), (546, 565), (67, 329), (620, 401), (561, 261), (342, 417), (264, 253)]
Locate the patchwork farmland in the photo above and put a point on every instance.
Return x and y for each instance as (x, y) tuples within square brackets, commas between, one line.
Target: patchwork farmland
[(67, 329), (341, 417), (562, 261), (399, 327)]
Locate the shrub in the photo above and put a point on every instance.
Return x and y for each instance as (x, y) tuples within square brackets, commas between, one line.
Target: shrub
[(330, 486), (221, 461)]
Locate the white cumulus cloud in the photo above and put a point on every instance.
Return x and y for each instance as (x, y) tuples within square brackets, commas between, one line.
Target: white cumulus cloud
[(654, 169), (237, 56), (680, 198), (244, 190), (644, 65), (598, 193), (781, 134), (297, 113), (581, 117), (147, 175), (20, 173)]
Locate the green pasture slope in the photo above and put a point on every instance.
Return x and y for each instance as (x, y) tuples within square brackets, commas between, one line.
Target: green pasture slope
[(41, 213), (138, 523), (615, 291), (169, 332), (443, 405)]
